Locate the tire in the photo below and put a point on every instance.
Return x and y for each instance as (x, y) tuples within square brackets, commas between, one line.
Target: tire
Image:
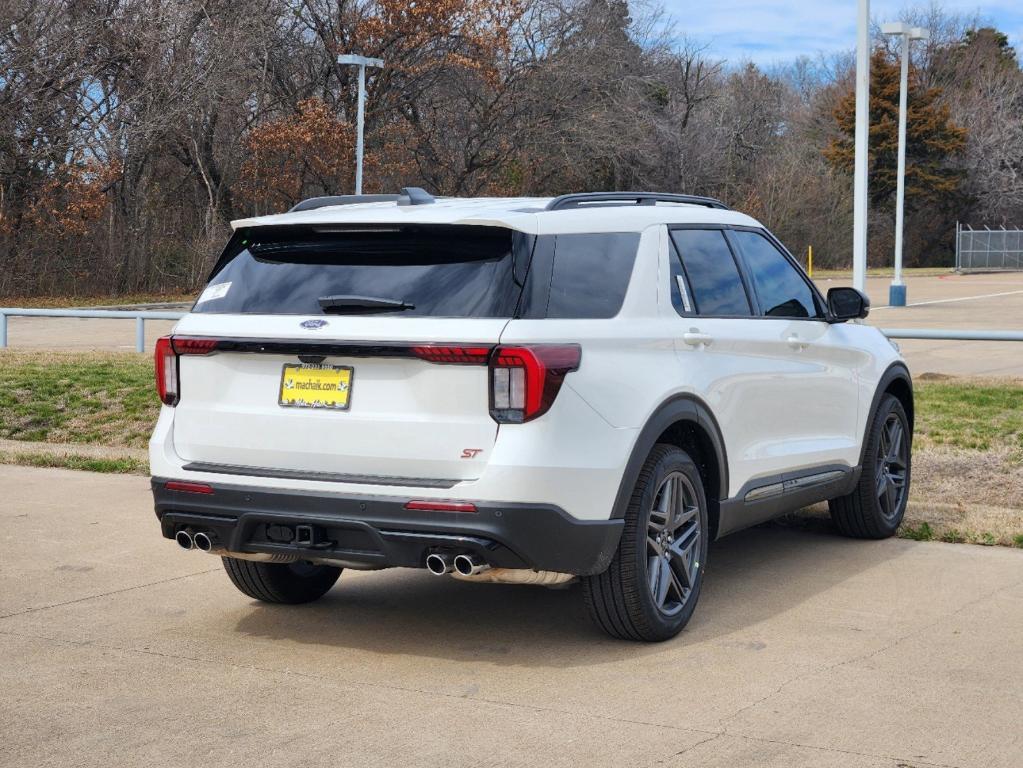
[(621, 600), (875, 508), (289, 583)]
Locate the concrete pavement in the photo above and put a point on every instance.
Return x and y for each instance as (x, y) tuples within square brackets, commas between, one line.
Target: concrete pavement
[(806, 649)]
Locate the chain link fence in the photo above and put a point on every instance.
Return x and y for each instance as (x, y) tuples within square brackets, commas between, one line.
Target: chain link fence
[(985, 250)]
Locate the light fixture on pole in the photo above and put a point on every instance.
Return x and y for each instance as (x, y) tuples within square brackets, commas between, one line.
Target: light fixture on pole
[(862, 136), (897, 290), (362, 62)]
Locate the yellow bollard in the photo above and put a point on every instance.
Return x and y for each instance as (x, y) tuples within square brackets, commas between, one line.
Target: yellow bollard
[(809, 260)]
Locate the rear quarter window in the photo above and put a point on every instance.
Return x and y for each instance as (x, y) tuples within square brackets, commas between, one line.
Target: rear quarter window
[(590, 274)]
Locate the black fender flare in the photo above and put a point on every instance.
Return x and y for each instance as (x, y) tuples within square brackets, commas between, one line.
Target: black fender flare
[(679, 408), (895, 371)]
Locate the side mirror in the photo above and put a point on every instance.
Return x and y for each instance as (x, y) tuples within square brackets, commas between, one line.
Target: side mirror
[(847, 304)]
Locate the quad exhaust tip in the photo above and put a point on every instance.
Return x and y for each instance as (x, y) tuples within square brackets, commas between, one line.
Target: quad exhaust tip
[(184, 539), (439, 564), (203, 542)]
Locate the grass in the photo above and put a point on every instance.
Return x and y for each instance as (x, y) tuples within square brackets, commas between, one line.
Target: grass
[(922, 532), (880, 271), (970, 415), (76, 461), (106, 399), (59, 302)]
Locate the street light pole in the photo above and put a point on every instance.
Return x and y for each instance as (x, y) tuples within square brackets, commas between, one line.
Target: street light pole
[(862, 137), (897, 290), (362, 62)]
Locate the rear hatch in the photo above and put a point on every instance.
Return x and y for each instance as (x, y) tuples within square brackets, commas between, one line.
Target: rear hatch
[(345, 353)]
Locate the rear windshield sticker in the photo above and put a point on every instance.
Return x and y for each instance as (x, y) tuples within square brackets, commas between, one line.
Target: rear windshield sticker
[(212, 292)]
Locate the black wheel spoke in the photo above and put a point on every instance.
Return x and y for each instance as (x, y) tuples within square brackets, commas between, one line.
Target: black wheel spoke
[(892, 466), (673, 543)]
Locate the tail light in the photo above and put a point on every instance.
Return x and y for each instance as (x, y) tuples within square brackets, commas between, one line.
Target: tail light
[(166, 371), (437, 353), (525, 380), (168, 349)]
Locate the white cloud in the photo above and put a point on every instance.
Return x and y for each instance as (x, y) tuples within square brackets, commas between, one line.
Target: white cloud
[(768, 32)]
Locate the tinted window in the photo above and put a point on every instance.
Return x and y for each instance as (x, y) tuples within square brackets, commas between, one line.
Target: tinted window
[(713, 276), (443, 271), (782, 291), (591, 274)]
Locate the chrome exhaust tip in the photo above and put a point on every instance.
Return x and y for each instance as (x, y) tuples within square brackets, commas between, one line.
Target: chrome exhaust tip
[(203, 542), (184, 539), (438, 564), (470, 565)]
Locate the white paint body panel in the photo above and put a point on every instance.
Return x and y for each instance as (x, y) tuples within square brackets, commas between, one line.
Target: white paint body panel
[(779, 408)]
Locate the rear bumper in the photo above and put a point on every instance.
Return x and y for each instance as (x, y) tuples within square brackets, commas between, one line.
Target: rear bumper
[(375, 531)]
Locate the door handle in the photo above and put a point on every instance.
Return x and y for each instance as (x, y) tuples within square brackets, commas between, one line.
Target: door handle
[(796, 343), (694, 338)]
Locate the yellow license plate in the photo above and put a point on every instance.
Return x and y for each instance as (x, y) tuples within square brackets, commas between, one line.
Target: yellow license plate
[(316, 386)]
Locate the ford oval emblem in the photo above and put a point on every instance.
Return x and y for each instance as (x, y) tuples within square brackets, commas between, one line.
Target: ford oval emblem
[(312, 325)]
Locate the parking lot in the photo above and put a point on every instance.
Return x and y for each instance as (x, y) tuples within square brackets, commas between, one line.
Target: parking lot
[(806, 649)]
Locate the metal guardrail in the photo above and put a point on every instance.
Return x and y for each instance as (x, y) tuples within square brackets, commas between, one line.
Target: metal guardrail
[(942, 334), (139, 316)]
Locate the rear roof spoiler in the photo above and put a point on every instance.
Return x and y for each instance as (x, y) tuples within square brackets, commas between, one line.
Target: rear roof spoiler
[(408, 196)]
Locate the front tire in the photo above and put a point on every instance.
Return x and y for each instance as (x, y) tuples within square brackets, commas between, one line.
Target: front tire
[(650, 589), (288, 583), (874, 510)]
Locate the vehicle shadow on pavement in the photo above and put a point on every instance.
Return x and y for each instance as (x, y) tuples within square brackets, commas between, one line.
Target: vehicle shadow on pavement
[(751, 576)]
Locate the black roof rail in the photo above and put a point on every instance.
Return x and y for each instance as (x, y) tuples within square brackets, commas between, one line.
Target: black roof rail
[(415, 196), (322, 202), (581, 199)]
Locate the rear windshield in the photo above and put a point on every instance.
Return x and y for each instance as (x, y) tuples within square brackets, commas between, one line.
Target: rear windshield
[(438, 271)]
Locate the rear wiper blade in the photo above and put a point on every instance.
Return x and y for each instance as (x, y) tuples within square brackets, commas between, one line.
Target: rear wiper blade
[(362, 304)]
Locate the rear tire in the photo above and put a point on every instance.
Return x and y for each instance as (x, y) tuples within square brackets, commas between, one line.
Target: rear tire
[(650, 589), (875, 508), (289, 583)]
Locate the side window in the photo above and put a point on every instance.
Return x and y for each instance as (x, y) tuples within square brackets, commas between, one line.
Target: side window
[(713, 277), (782, 291), (591, 274)]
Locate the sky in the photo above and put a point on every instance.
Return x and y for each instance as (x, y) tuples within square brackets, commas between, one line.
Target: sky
[(776, 31)]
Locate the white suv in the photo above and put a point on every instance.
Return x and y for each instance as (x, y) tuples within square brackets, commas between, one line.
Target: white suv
[(530, 390)]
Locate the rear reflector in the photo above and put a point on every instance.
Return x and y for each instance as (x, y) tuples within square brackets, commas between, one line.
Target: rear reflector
[(441, 506), (177, 485), (438, 353)]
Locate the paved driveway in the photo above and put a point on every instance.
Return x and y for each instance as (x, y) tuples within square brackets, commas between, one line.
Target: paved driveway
[(806, 650)]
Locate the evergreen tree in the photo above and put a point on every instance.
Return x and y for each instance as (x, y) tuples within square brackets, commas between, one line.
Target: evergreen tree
[(933, 141)]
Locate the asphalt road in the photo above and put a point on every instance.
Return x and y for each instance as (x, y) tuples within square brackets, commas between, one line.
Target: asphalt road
[(806, 650)]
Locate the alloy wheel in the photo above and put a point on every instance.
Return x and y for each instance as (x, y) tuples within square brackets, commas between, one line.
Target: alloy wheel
[(673, 543), (891, 465)]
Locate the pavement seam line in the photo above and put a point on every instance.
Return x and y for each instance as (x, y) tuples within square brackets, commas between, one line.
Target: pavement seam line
[(899, 760), (33, 609), (690, 748)]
